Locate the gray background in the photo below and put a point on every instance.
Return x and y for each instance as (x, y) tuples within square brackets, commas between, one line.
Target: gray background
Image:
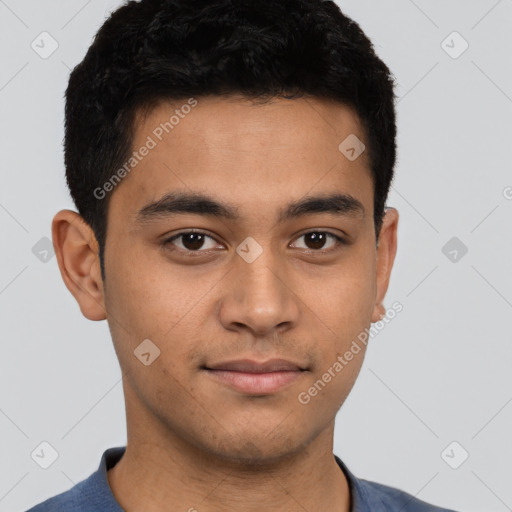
[(438, 373)]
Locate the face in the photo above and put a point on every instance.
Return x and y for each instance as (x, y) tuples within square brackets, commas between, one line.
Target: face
[(243, 234)]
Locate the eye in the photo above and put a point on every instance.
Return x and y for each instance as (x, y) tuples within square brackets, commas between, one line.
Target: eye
[(191, 241), (316, 241)]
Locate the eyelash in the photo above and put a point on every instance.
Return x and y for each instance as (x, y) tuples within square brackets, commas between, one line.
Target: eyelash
[(339, 242)]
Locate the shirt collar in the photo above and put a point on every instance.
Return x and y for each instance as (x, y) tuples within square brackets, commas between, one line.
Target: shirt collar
[(360, 500), (103, 496)]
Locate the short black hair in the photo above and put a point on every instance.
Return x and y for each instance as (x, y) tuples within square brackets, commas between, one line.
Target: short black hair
[(153, 50)]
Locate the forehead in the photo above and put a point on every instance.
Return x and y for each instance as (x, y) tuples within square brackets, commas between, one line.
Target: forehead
[(257, 156)]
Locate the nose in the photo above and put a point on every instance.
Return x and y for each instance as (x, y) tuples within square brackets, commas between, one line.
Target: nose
[(259, 297)]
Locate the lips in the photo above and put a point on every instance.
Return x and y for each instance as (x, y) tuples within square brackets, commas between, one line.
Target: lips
[(250, 366), (256, 378)]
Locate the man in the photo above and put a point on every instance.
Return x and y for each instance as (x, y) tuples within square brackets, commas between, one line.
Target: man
[(230, 161)]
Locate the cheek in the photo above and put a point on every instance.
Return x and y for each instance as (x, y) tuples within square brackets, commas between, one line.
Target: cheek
[(341, 320), (344, 296), (152, 294), (163, 304)]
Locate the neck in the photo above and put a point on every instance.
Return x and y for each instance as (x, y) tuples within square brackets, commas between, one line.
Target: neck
[(163, 469), (156, 478)]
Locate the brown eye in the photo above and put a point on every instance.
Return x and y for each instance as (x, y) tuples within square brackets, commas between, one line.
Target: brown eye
[(193, 241), (317, 240)]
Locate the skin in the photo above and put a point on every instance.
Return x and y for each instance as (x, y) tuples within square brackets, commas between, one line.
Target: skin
[(193, 442)]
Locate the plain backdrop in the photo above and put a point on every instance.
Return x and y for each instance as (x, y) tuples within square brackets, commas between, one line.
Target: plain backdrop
[(436, 385)]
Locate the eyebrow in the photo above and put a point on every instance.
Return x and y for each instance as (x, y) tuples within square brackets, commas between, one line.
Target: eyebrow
[(200, 204)]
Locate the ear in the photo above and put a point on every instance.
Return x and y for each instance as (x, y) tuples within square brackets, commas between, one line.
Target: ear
[(76, 250), (386, 251)]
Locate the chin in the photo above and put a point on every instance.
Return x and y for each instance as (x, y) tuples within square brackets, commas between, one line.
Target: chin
[(256, 450)]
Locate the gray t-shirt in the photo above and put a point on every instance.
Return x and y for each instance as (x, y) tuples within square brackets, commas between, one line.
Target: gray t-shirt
[(94, 494)]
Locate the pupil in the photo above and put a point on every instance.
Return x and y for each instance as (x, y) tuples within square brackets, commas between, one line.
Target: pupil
[(193, 241), (316, 239)]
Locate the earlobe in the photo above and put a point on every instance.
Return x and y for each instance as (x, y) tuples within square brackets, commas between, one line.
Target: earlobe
[(386, 252), (76, 250), (379, 311)]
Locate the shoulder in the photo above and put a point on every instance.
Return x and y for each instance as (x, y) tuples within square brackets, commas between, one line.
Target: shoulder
[(370, 496), (91, 494), (71, 500), (386, 498)]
